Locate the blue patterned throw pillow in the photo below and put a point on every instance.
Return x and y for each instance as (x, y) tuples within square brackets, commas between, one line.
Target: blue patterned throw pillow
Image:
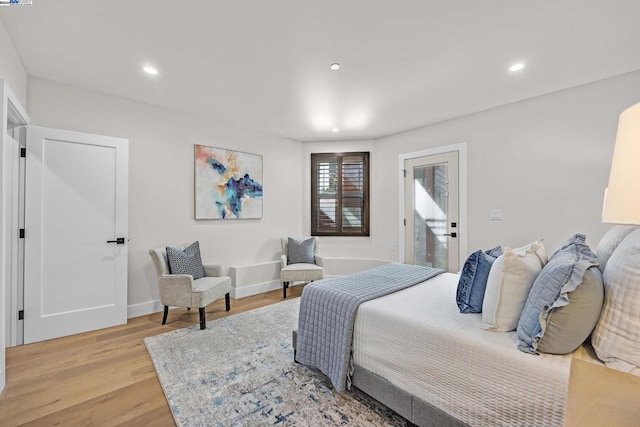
[(300, 252), (473, 280), (186, 261)]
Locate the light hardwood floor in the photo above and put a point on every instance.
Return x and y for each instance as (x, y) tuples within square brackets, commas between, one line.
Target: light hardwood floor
[(103, 377)]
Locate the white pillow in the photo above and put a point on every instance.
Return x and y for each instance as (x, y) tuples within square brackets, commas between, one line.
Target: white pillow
[(509, 283), (616, 337)]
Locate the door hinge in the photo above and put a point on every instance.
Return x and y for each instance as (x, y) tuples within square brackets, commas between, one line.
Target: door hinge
[(404, 172), (23, 152), (405, 222), (21, 315), (22, 233)]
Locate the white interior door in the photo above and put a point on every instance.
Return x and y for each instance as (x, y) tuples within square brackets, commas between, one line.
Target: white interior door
[(75, 203), (432, 211)]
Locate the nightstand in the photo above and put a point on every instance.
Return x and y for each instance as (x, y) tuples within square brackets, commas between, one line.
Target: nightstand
[(600, 396)]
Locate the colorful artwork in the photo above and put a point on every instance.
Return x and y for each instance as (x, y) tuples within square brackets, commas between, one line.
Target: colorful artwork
[(228, 184)]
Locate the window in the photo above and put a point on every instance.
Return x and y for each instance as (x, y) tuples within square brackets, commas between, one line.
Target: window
[(340, 194)]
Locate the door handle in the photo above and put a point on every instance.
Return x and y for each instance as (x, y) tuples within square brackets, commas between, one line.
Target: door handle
[(451, 234), (118, 241)]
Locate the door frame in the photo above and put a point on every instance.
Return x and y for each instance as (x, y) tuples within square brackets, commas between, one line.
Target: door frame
[(461, 148), (10, 245)]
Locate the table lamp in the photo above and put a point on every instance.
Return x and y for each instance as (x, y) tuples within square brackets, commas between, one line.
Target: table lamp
[(622, 196)]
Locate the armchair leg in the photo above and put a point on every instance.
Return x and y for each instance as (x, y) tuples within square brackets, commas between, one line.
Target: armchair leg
[(227, 302), (285, 285), (203, 320), (166, 312)]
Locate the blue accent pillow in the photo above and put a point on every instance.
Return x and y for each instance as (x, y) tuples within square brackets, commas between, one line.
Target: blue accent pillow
[(473, 280), (566, 298), (186, 261), (301, 252)]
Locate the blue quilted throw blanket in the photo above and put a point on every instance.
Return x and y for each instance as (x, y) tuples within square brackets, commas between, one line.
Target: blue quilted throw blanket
[(328, 312)]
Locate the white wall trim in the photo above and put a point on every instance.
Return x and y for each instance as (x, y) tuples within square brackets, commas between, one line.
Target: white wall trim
[(10, 110), (254, 289), (461, 148), (144, 308), (341, 266)]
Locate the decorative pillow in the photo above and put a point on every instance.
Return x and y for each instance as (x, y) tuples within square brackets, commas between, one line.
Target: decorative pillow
[(300, 252), (508, 285), (616, 337), (473, 279), (569, 326), (186, 261), (577, 242), (610, 242), (564, 303)]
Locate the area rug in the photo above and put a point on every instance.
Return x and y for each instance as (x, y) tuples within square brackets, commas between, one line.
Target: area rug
[(240, 371)]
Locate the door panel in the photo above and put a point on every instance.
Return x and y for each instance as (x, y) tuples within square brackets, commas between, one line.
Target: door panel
[(431, 197), (76, 200)]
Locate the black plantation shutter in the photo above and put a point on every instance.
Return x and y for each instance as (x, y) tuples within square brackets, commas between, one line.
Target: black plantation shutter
[(340, 194)]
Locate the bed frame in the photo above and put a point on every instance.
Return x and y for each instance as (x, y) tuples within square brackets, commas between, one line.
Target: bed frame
[(414, 409)]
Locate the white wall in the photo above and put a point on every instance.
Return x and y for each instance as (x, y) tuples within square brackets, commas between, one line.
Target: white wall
[(11, 68), (161, 195), (544, 162)]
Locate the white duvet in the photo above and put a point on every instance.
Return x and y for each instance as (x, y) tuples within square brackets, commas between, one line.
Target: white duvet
[(417, 340)]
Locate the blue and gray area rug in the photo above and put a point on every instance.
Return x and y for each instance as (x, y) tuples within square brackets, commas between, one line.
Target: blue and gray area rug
[(240, 372)]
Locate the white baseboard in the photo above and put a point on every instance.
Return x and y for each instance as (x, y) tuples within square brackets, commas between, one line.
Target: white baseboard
[(334, 267), (144, 308), (257, 288), (254, 279)]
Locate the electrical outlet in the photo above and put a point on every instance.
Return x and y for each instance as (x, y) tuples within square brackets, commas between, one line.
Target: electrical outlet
[(495, 214)]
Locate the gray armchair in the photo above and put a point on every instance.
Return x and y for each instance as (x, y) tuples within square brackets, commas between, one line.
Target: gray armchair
[(182, 290), (304, 272)]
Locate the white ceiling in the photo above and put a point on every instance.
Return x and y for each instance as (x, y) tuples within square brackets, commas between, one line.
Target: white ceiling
[(264, 64)]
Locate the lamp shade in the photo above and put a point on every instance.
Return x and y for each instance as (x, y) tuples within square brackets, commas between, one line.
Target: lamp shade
[(622, 197)]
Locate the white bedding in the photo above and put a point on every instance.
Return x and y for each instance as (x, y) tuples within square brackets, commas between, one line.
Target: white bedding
[(417, 340)]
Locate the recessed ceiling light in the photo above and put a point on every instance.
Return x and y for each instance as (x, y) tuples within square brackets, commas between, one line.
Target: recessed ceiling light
[(334, 130), (150, 70), (335, 66), (516, 67)]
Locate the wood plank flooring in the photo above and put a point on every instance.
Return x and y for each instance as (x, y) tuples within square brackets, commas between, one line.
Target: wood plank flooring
[(102, 377)]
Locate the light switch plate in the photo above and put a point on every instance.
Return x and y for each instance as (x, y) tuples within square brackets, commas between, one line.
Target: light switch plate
[(495, 214)]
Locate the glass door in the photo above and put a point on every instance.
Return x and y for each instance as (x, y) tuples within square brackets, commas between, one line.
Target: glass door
[(431, 197)]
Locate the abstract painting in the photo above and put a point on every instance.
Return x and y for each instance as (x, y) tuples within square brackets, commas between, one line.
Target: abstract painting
[(228, 184)]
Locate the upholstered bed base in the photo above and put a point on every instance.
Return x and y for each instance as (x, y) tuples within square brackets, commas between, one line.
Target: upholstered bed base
[(410, 407)]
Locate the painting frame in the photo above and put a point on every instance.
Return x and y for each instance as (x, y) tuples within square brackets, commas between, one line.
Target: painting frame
[(228, 184)]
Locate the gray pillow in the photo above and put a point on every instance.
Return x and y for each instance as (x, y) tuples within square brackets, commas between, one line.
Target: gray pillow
[(557, 303), (610, 242), (301, 252), (186, 261), (569, 326)]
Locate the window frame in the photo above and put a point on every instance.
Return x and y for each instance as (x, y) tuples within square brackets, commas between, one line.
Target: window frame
[(364, 229)]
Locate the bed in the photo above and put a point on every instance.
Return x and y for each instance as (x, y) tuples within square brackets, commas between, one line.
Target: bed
[(416, 353), (452, 368)]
